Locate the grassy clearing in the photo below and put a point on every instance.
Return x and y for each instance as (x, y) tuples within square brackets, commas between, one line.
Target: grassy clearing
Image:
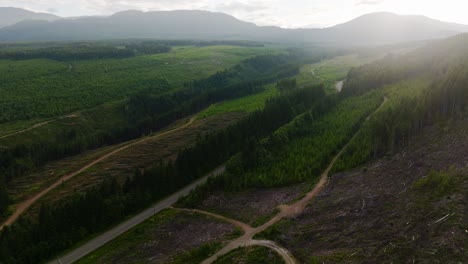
[(437, 184), (87, 124), (327, 71), (251, 255), (330, 71), (245, 104)]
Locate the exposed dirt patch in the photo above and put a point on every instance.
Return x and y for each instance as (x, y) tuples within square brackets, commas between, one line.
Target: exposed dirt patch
[(163, 237), (253, 207), (165, 148), (121, 164), (374, 215)]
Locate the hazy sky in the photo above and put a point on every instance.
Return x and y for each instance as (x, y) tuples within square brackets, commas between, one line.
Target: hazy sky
[(285, 13)]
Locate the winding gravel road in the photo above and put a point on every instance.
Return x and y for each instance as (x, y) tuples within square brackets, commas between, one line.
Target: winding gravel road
[(286, 211), (102, 239), (244, 240)]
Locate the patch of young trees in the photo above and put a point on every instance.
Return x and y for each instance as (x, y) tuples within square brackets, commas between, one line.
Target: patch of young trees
[(444, 65), (62, 224)]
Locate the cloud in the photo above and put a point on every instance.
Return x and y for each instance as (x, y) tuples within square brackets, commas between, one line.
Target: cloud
[(52, 10), (368, 2), (241, 6)]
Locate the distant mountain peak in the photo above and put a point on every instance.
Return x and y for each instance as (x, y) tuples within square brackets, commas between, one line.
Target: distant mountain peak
[(378, 28), (12, 15)]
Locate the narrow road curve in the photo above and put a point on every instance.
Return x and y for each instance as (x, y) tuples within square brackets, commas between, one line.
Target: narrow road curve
[(284, 253), (318, 67), (287, 210), (104, 238), (23, 206), (243, 226), (38, 125)]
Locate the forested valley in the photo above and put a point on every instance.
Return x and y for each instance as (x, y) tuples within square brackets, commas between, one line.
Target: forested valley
[(150, 110), (299, 128), (102, 50), (61, 225)]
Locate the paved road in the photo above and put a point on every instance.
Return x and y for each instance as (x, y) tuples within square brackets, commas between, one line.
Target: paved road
[(125, 226)]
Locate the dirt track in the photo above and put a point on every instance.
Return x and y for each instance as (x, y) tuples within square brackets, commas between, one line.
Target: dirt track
[(23, 206), (285, 211), (37, 125), (248, 241)]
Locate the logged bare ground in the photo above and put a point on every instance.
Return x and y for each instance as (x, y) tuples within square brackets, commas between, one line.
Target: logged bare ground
[(163, 238), (375, 215), (253, 207), (120, 165)]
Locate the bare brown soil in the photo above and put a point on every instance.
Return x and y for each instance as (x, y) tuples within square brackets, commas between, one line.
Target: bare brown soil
[(167, 237), (374, 215), (253, 207), (114, 162)]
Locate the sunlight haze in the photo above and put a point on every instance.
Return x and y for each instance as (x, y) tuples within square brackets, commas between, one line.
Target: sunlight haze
[(289, 14)]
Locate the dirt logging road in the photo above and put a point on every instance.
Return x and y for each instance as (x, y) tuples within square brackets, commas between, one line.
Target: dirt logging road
[(38, 125), (285, 212), (23, 206)]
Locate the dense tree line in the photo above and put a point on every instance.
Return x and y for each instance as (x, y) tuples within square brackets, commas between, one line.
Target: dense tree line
[(147, 112), (285, 85), (302, 149), (104, 50), (444, 68), (62, 224), (84, 52), (297, 152)]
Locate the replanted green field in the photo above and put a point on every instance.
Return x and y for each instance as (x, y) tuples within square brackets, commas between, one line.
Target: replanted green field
[(327, 72), (330, 71), (245, 104), (363, 146), (45, 88)]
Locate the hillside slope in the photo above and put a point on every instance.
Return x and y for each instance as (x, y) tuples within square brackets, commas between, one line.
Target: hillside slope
[(371, 29), (405, 208), (10, 16)]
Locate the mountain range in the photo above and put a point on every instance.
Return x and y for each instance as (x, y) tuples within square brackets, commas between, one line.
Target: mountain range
[(11, 15), (370, 29)]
